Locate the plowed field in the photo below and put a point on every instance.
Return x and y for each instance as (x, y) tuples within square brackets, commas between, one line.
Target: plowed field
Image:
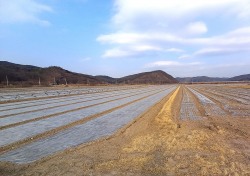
[(126, 130)]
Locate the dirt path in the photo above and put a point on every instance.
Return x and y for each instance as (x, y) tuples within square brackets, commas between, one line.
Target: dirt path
[(156, 143)]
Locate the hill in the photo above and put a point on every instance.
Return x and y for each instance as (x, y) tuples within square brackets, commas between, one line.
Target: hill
[(29, 75), (154, 77), (213, 79), (200, 79), (106, 79), (240, 78)]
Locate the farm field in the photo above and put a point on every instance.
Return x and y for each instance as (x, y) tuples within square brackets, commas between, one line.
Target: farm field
[(45, 92), (200, 129)]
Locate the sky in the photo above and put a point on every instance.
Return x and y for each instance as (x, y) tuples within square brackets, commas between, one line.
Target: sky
[(122, 37)]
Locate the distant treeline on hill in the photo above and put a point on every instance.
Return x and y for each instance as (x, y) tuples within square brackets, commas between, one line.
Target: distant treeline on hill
[(28, 75), (204, 79)]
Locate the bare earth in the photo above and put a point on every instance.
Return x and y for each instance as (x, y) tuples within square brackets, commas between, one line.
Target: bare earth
[(158, 143)]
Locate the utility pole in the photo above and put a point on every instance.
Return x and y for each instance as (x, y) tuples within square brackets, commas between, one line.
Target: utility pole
[(65, 81), (7, 80), (39, 82)]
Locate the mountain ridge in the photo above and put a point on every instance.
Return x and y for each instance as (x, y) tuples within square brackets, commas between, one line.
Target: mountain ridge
[(27, 75), (18, 74), (197, 79), (31, 75)]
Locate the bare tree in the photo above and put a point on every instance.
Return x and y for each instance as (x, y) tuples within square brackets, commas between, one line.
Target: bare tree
[(39, 82)]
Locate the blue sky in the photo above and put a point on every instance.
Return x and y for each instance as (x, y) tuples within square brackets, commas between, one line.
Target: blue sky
[(121, 37)]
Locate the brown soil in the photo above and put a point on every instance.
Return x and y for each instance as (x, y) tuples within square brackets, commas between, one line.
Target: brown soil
[(156, 143)]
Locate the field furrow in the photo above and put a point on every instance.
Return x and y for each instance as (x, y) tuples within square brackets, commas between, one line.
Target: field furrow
[(211, 108), (67, 101), (11, 135), (100, 127), (231, 105), (45, 100), (189, 111), (153, 125), (62, 110)]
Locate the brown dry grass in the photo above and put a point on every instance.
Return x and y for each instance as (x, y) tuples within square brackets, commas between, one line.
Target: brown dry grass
[(243, 86)]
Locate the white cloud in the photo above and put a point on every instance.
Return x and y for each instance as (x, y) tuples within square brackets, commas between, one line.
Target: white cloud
[(131, 44), (146, 48), (185, 56), (175, 50), (236, 41), (179, 28), (240, 36), (138, 49), (219, 51), (12, 11), (212, 51), (169, 64), (121, 38), (133, 50), (130, 12), (137, 37), (163, 63), (117, 53), (197, 28)]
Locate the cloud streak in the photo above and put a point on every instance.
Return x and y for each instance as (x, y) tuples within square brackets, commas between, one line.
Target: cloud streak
[(23, 11), (169, 64)]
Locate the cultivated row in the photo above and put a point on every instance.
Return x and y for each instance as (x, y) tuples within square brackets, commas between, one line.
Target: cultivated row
[(100, 119)]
